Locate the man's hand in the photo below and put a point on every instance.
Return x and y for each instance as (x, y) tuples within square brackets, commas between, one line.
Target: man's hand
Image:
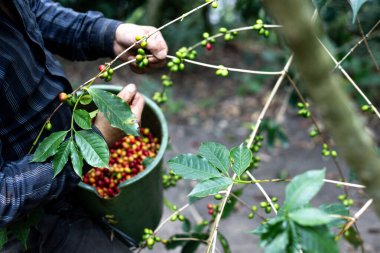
[(130, 95), (125, 36)]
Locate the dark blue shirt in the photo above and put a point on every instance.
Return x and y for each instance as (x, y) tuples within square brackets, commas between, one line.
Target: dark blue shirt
[(31, 31)]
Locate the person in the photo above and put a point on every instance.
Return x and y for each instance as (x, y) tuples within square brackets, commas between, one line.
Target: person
[(31, 32)]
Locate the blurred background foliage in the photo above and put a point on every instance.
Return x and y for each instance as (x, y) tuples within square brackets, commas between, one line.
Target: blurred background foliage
[(336, 17)]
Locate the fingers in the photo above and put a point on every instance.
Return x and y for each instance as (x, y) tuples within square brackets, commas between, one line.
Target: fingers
[(137, 106), (157, 45), (136, 101), (128, 93)]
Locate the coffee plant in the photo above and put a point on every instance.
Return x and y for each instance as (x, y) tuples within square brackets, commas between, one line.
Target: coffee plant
[(298, 226)]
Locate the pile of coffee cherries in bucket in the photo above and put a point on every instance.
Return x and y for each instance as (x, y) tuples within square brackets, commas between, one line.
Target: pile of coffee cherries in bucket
[(126, 161)]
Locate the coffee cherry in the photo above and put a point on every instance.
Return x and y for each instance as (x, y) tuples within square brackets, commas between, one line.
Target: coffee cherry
[(101, 68), (218, 196), (104, 75), (126, 161), (144, 44), (138, 37), (365, 108), (263, 204), (342, 197), (108, 78), (223, 30), (214, 4), (174, 217), (209, 46), (62, 97), (205, 35), (139, 57), (48, 126), (150, 242), (110, 71), (251, 216)]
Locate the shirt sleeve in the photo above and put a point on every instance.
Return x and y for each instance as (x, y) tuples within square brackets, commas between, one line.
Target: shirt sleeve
[(25, 185), (73, 35)]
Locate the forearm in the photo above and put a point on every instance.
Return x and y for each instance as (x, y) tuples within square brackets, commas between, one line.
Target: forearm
[(73, 35), (25, 185)]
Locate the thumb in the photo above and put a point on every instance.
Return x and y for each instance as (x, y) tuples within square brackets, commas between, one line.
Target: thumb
[(128, 93)]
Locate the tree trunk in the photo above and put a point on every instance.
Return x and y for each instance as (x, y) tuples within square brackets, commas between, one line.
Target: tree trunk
[(326, 91)]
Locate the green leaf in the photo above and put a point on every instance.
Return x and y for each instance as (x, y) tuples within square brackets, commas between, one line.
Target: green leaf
[(242, 158), (303, 188), (200, 227), (278, 244), (210, 187), (193, 167), (93, 114), (147, 161), (21, 232), (224, 243), (317, 239), (61, 158), (186, 225), (271, 235), (93, 148), (85, 99), (3, 237), (116, 111), (294, 239), (216, 154), (82, 118), (310, 217), (190, 247), (175, 241), (355, 6), (76, 159), (49, 146), (352, 237), (337, 209)]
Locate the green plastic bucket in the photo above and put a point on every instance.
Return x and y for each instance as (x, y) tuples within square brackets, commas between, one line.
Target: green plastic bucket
[(140, 201)]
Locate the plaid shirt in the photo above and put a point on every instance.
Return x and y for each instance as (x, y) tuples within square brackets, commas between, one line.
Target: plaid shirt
[(30, 80)]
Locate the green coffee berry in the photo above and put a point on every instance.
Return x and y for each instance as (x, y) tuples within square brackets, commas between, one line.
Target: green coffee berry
[(218, 196)]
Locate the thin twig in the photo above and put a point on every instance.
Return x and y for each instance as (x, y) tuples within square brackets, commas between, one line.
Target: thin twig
[(246, 205), (215, 226), (350, 80), (269, 200), (255, 72), (344, 183), (168, 218), (325, 139), (367, 46), (240, 29), (180, 18), (357, 44), (355, 217)]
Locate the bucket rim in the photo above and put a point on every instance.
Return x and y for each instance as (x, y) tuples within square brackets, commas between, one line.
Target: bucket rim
[(163, 145)]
